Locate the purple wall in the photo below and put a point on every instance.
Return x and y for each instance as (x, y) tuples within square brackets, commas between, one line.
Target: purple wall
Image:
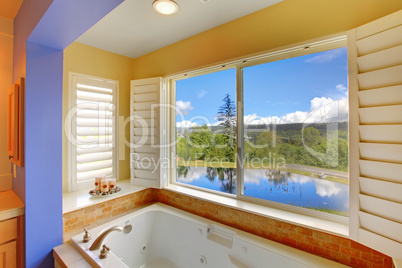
[(65, 21), (42, 30), (28, 16), (43, 127)]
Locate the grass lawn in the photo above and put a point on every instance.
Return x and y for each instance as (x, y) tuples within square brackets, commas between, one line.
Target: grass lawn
[(331, 211)]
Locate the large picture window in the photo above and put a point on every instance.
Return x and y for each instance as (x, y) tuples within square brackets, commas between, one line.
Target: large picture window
[(274, 131)]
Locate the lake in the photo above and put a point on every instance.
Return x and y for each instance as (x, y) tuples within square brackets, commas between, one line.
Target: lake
[(273, 185)]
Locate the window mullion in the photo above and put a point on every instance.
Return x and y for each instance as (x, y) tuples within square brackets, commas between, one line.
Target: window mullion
[(240, 136)]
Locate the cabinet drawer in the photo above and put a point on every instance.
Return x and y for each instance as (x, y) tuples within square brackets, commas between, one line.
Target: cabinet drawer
[(8, 230)]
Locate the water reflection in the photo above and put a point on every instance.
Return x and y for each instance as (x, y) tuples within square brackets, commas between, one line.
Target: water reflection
[(327, 188), (285, 180), (275, 185), (280, 179), (227, 177)]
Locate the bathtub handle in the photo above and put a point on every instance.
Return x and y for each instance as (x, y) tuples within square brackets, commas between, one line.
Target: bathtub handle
[(220, 235), (87, 236), (104, 252)]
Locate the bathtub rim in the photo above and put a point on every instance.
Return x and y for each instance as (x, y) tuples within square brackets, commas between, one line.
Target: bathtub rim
[(275, 247)]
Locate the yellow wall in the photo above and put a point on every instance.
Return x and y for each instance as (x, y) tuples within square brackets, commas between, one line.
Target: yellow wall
[(6, 72), (288, 22), (88, 60)]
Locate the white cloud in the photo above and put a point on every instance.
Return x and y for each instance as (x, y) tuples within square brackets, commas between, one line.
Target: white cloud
[(202, 93), (215, 124), (327, 56), (254, 119), (324, 110), (186, 124), (184, 106), (341, 88), (317, 103), (296, 117), (321, 110)]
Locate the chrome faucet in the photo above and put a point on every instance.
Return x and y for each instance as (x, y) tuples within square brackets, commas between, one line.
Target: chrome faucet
[(98, 241)]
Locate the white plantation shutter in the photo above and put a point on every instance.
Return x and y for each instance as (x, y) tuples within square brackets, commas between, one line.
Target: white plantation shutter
[(147, 133), (93, 129), (375, 78)]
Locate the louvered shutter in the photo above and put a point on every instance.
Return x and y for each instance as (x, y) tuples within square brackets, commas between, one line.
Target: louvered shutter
[(147, 126), (375, 80), (94, 130)]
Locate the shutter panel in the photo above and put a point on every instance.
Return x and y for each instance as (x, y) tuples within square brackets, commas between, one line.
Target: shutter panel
[(375, 80), (147, 126), (94, 152)]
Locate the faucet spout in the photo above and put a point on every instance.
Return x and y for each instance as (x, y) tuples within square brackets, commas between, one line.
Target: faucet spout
[(98, 241)]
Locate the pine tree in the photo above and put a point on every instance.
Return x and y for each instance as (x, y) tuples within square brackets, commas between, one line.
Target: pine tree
[(227, 117), (227, 114)]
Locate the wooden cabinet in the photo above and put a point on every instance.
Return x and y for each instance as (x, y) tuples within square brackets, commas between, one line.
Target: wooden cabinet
[(8, 255), (15, 123), (8, 243)]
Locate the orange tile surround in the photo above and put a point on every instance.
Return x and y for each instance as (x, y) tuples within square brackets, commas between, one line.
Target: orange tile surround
[(329, 246), (78, 219)]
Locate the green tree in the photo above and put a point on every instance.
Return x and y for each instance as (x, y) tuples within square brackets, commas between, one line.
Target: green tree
[(200, 141), (288, 151), (343, 151), (227, 117), (267, 142), (311, 137), (219, 149), (183, 149)]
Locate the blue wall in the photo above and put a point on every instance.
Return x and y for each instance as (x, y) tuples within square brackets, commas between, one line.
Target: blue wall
[(43, 128), (42, 30), (28, 16)]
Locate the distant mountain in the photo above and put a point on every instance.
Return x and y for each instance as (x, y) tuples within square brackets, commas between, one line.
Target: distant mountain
[(279, 127)]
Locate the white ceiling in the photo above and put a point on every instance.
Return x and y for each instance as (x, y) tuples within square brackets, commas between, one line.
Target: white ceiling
[(134, 28)]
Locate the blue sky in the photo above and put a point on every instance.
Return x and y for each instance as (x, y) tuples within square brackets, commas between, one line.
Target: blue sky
[(287, 90)]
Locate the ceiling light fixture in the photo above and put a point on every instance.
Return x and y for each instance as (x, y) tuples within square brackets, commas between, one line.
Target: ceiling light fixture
[(165, 7)]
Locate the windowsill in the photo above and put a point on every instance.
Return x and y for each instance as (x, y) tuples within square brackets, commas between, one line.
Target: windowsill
[(81, 199), (314, 223)]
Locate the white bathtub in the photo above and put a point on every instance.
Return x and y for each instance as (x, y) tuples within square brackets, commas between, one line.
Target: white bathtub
[(164, 237)]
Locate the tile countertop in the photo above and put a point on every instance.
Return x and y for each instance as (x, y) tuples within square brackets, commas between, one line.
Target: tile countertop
[(10, 205), (81, 199)]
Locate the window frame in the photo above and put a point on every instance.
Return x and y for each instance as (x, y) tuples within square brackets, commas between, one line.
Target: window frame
[(295, 50), (70, 125)]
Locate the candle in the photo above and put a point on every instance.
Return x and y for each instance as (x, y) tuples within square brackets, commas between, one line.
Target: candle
[(104, 185), (112, 183), (98, 182)]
